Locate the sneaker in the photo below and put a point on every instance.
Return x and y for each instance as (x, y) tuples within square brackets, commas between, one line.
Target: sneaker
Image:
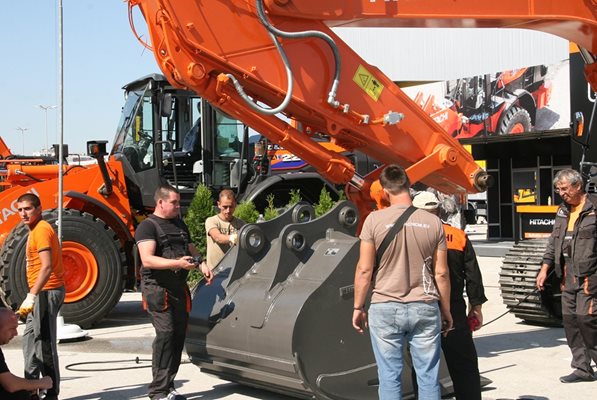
[(174, 395), (574, 377)]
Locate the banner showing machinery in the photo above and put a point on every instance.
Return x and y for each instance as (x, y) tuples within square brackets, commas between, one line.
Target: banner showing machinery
[(530, 99)]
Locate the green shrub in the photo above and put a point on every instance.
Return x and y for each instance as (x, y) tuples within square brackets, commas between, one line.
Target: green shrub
[(271, 211), (295, 197), (247, 212), (325, 203), (201, 208)]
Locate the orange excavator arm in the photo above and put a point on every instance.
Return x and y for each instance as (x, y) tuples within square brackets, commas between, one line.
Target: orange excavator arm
[(255, 59), (4, 150)]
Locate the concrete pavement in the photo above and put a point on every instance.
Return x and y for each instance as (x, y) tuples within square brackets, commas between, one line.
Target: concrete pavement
[(523, 361), (104, 366)]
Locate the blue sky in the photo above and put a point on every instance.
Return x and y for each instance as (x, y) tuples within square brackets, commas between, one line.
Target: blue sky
[(101, 55)]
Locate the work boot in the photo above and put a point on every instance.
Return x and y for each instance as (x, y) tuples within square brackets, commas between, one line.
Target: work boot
[(174, 395), (576, 377)]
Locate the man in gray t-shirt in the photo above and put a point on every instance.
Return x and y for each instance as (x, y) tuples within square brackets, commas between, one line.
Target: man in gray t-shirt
[(222, 228), (410, 290)]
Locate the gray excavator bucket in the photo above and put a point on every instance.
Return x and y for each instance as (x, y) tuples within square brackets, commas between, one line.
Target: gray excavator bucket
[(277, 314)]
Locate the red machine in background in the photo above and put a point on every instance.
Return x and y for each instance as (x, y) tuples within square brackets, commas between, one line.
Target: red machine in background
[(491, 104)]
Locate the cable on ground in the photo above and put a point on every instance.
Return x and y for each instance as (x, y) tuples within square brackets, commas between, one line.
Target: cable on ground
[(136, 360)]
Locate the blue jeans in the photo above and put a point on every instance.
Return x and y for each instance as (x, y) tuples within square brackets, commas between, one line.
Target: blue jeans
[(417, 323)]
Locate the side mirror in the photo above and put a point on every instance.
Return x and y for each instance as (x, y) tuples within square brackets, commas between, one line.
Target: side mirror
[(166, 105), (97, 148), (56, 148)]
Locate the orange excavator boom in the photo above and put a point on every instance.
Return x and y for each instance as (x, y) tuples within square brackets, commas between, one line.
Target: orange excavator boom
[(255, 59), (4, 150)]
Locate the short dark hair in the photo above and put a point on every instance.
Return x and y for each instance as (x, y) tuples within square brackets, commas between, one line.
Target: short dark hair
[(394, 179), (31, 198), (227, 193), (163, 192)]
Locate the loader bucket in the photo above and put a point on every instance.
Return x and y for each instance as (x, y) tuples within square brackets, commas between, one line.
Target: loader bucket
[(277, 314)]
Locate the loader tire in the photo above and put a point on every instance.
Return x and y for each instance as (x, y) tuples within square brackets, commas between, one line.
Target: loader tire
[(517, 120), (517, 285), (93, 260)]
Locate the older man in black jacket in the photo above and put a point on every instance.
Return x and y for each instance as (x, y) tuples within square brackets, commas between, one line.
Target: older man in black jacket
[(572, 252)]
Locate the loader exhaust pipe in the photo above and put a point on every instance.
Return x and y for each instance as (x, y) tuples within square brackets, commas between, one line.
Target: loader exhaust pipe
[(97, 150)]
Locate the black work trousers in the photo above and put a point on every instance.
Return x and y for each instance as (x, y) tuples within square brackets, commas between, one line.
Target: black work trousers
[(461, 358), (579, 315), (169, 313), (40, 337), (20, 395)]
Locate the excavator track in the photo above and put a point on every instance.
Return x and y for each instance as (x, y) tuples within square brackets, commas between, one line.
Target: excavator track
[(517, 285)]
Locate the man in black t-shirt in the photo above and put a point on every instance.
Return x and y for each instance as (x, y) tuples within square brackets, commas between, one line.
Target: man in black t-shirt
[(167, 255), (11, 386)]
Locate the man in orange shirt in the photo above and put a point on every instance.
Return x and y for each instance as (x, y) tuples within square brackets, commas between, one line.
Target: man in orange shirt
[(45, 297)]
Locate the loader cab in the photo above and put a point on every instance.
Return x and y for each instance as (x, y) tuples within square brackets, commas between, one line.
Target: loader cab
[(470, 94), (227, 151), (169, 135)]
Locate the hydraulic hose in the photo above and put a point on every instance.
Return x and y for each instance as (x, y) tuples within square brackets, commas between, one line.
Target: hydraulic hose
[(274, 32), (305, 34), (290, 88), (137, 360), (511, 309)]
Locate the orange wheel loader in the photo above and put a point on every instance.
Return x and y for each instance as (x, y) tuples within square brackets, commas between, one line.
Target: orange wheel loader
[(164, 135)]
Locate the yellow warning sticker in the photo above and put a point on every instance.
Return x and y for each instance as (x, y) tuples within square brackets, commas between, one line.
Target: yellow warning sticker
[(366, 81)]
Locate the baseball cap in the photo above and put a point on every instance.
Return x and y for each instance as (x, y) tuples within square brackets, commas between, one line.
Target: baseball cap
[(426, 201)]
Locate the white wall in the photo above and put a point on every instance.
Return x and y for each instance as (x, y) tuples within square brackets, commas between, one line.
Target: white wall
[(413, 54)]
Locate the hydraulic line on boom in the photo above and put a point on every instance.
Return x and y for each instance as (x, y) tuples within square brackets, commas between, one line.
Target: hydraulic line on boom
[(235, 66)]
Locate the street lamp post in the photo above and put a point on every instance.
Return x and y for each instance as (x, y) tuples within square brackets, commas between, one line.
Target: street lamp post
[(46, 108), (23, 130)]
